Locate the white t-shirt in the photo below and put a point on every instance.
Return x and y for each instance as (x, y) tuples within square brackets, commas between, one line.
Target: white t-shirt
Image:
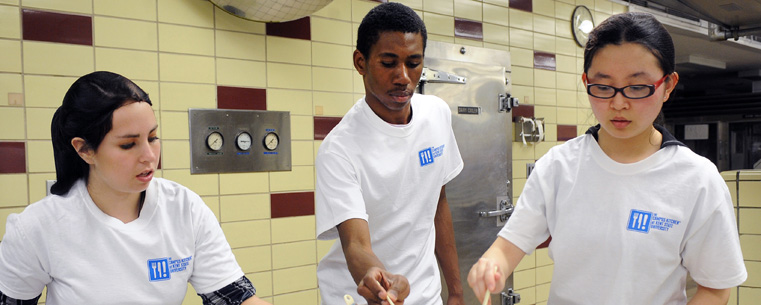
[(628, 233), (85, 256), (391, 176)]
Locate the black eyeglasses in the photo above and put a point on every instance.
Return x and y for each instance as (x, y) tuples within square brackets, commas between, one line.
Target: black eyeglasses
[(631, 92)]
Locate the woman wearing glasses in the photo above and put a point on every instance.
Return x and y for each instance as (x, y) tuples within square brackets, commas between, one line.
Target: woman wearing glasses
[(630, 209)]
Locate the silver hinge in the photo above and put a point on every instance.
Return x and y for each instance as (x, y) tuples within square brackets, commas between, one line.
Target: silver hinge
[(506, 102), (434, 76), (510, 297)]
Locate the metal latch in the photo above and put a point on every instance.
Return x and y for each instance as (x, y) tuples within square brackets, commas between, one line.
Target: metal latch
[(510, 297), (504, 210), (434, 76), (507, 102)]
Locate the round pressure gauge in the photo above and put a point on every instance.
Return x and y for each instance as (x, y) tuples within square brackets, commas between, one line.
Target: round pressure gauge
[(243, 141), (214, 141), (271, 141)]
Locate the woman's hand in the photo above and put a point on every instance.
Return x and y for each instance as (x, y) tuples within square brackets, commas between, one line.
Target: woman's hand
[(485, 275)]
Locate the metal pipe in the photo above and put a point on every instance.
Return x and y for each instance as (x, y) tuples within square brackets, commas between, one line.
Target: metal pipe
[(734, 33)]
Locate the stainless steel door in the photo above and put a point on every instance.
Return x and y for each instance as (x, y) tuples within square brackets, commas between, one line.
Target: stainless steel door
[(483, 136)]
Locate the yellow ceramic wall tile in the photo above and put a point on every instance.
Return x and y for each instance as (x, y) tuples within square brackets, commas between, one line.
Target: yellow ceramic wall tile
[(541, 148), (46, 91), (12, 2), (289, 50), (550, 132), (302, 127), (732, 191), (519, 168), (12, 124), (439, 24), (521, 38), (590, 4), (618, 9), (562, 29), (544, 43), (493, 46), (599, 16), (10, 23), (294, 279), (434, 37), (519, 184), (414, 4), (566, 46), (297, 102), (4, 212), (186, 39), (443, 7), (300, 178), (123, 33), (522, 76), (522, 57), (13, 187), (521, 19), (569, 81), (548, 113), (504, 3), (263, 283), (240, 45), (543, 257), (750, 194), (226, 21), (567, 116), (135, 9), (568, 98), (544, 25), (301, 153), (544, 79), (748, 296), (11, 50), (542, 292), (524, 279), (333, 31), (525, 94), (753, 175), (77, 6), (213, 203), (604, 6), (292, 229), (330, 79), (294, 254), (544, 7), (359, 85), (240, 183), (10, 83), (563, 11), (332, 55), (528, 295), (186, 68), (468, 9), (244, 207), (196, 13), (754, 274), (38, 123), (323, 246), (241, 73), (333, 104), (528, 262), (131, 64), (751, 246), (174, 125), (544, 96), (247, 233), (496, 14), (359, 9), (585, 117), (176, 154), (544, 274), (191, 298), (307, 297), (254, 259), (38, 186), (748, 221), (565, 63), (39, 157), (337, 9), (180, 96), (202, 184), (496, 34), (289, 76)]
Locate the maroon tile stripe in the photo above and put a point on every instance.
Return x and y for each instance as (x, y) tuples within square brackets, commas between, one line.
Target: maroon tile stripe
[(523, 5), (526, 111), (545, 244), (56, 27), (291, 204), (299, 28), (468, 29), (241, 98), (12, 158), (323, 125), (566, 132), (545, 61)]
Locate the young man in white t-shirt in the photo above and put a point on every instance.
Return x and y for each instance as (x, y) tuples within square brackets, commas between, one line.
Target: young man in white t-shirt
[(381, 174)]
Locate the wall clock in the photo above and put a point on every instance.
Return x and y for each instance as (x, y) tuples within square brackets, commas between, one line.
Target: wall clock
[(581, 24)]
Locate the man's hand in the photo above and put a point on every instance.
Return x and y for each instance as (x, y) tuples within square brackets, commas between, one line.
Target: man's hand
[(378, 283)]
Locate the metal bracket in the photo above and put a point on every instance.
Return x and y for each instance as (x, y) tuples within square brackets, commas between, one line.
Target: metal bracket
[(433, 76), (510, 297), (504, 210), (506, 102)]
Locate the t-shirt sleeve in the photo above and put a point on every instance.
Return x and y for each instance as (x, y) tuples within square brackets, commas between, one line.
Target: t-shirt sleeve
[(338, 194), (711, 250), (214, 265), (22, 273), (527, 227)]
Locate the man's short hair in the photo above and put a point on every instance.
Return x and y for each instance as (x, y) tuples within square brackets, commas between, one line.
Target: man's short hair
[(388, 17)]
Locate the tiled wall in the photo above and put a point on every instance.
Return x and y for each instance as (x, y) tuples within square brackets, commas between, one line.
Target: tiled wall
[(745, 187), (189, 54)]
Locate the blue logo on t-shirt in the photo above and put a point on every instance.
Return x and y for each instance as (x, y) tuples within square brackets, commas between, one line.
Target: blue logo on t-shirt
[(161, 269), (642, 221), (427, 155)]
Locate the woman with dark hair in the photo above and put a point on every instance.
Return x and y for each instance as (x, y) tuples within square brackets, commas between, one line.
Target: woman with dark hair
[(630, 209), (112, 233)]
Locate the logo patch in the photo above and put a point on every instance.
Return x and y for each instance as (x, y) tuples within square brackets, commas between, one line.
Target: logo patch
[(427, 155), (161, 269), (643, 221)]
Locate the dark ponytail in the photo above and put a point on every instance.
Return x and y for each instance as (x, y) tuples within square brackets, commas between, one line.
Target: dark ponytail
[(86, 112)]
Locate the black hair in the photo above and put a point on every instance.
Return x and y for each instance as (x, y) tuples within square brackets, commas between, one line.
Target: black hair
[(632, 27), (86, 112), (388, 17)]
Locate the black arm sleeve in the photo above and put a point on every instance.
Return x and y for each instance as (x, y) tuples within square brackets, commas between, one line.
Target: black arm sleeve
[(233, 294), (6, 300)]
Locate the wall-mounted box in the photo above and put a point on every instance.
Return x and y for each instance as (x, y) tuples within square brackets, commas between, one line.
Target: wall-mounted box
[(234, 141)]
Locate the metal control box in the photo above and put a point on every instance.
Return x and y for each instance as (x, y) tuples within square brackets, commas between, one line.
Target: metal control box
[(234, 141)]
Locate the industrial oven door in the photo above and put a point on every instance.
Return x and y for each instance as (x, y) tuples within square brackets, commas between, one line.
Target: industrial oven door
[(481, 194)]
